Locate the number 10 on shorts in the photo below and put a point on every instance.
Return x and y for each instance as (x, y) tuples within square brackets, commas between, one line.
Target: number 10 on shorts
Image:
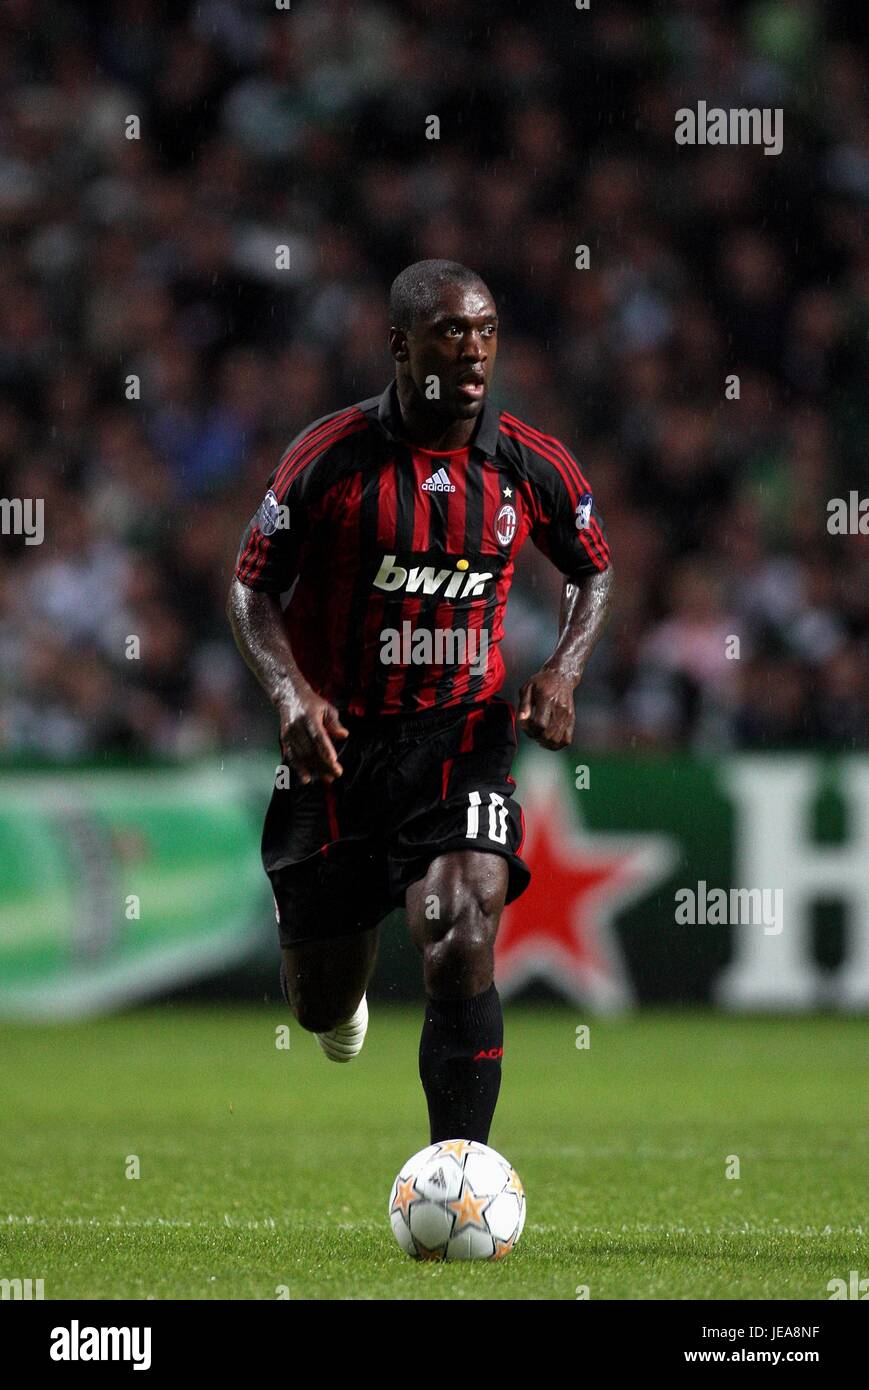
[(497, 817)]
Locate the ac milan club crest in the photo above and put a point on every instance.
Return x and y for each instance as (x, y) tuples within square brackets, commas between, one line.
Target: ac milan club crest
[(505, 524)]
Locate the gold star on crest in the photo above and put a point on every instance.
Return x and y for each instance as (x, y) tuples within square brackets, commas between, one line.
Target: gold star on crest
[(469, 1210), (507, 492)]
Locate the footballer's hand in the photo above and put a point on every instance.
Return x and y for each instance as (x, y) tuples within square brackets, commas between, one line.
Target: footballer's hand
[(546, 710), (308, 724)]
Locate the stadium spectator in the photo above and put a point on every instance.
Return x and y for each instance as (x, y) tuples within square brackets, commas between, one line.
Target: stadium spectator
[(152, 261)]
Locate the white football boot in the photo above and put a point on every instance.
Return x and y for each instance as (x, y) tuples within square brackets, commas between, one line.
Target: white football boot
[(344, 1042)]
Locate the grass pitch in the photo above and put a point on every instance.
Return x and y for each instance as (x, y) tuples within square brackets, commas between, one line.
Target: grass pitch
[(265, 1169)]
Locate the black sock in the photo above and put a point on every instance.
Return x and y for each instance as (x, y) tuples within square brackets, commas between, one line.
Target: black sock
[(460, 1064), (284, 990)]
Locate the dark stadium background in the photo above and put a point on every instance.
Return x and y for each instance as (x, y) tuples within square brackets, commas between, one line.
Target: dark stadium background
[(156, 256)]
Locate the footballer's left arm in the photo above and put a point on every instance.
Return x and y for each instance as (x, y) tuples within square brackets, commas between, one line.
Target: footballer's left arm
[(569, 530), (546, 708)]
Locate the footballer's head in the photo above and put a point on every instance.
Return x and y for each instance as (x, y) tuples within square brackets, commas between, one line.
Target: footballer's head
[(443, 337)]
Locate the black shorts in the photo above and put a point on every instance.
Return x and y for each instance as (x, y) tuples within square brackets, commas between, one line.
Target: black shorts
[(341, 855)]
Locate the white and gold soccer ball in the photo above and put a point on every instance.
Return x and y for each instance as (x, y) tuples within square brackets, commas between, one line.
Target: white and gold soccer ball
[(457, 1200)]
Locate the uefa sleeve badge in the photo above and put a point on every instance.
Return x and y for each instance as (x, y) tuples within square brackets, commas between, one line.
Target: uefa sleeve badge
[(269, 513), (583, 511)]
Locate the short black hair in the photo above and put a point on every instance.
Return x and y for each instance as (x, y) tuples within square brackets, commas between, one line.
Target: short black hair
[(417, 289)]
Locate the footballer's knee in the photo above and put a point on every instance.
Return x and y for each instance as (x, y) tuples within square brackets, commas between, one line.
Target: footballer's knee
[(317, 1009), (318, 1015), (457, 938), (315, 1018)]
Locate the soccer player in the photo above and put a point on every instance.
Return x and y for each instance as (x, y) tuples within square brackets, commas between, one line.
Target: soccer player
[(396, 523)]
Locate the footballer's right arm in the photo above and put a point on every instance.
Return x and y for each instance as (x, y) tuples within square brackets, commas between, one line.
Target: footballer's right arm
[(306, 719), (267, 565)]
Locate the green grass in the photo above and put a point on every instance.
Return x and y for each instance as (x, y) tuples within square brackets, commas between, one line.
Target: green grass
[(262, 1167)]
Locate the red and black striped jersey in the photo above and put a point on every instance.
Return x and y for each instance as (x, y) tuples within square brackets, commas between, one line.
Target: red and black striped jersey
[(401, 558)]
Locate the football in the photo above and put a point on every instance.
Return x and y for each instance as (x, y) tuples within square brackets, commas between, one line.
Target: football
[(457, 1200)]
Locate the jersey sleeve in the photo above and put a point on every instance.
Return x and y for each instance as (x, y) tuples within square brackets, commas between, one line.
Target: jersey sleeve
[(270, 549), (272, 546), (568, 528), (268, 556)]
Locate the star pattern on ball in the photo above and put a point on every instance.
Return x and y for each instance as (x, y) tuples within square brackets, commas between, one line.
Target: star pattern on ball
[(469, 1209), (514, 1185), (405, 1196), (424, 1253), (457, 1147), (503, 1247)]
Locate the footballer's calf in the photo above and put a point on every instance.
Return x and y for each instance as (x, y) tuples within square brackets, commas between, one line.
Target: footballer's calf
[(453, 913)]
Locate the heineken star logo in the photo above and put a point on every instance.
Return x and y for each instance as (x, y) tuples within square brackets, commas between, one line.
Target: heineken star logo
[(561, 928)]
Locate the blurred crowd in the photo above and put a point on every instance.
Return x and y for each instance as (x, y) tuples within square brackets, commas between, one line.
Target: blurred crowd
[(154, 360)]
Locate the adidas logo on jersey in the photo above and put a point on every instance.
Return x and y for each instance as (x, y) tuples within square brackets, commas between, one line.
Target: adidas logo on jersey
[(438, 482), (428, 580)]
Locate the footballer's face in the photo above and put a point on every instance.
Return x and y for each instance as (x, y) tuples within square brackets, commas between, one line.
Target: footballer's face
[(456, 344)]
